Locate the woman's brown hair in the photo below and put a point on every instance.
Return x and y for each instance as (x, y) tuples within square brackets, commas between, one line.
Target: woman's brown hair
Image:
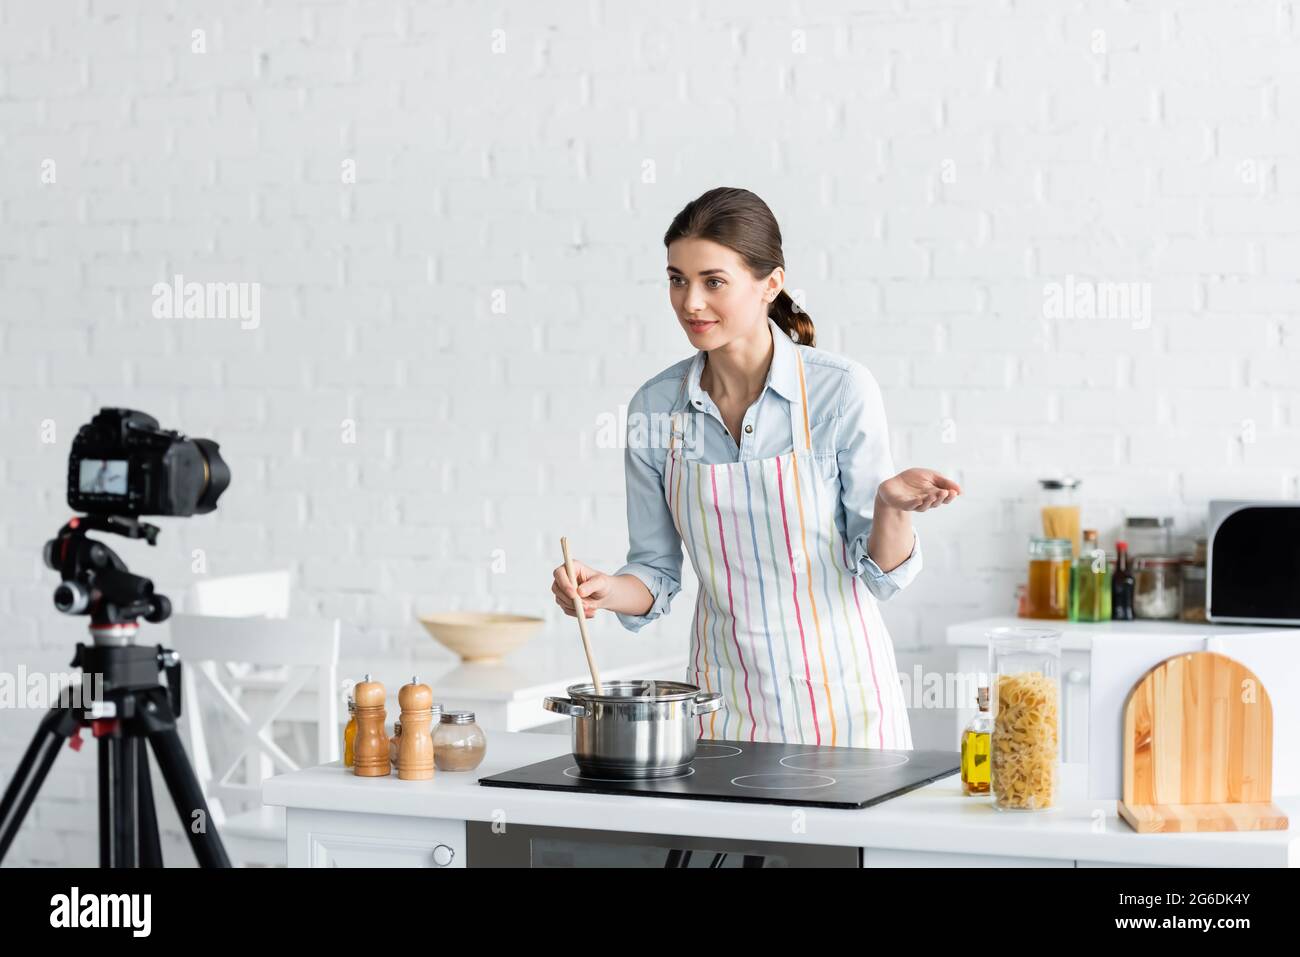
[(739, 220)]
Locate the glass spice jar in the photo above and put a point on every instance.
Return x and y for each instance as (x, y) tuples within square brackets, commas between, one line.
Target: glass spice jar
[(1157, 588), (459, 744)]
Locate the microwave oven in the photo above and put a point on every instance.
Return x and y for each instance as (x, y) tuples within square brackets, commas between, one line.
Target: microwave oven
[(1252, 573)]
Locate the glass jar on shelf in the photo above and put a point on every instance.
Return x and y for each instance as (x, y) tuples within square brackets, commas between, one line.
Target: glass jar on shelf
[(1157, 587), (459, 744), (1193, 602), (1148, 536), (1025, 739), (1048, 594), (1059, 509)]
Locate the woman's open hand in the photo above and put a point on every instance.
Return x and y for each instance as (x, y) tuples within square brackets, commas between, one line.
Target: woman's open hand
[(593, 588), (916, 490)]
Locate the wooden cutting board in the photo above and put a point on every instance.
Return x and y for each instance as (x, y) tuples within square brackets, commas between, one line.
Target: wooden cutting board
[(1198, 749)]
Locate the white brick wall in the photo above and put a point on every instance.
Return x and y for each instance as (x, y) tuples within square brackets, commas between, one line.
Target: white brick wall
[(933, 167)]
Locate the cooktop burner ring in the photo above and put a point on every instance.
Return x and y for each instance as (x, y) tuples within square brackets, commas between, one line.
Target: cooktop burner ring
[(830, 758), (713, 757), (582, 777), (826, 781)]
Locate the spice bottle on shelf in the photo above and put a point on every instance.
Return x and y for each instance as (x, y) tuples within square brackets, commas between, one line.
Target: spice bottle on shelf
[(1194, 584), (975, 748), (395, 745), (350, 732), (415, 747), (371, 748), (459, 744), (1090, 582), (1121, 585)]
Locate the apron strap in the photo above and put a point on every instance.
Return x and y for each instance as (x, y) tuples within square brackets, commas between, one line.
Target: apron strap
[(800, 432), (676, 420)]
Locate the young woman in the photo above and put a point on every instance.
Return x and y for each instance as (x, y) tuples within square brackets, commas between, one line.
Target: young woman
[(769, 460)]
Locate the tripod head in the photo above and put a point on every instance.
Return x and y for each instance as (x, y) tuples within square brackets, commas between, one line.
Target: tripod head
[(96, 582)]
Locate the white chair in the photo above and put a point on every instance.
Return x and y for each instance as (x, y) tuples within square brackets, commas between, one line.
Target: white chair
[(308, 653), (262, 594), (254, 594)]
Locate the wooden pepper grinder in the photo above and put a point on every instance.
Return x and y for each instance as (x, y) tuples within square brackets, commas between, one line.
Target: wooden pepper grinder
[(370, 752), (415, 750)]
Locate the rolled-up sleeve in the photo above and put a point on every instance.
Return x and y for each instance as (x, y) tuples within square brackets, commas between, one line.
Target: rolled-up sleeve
[(654, 552), (862, 443)]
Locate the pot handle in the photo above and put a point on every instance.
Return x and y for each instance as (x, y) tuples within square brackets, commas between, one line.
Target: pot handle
[(565, 706), (708, 701)]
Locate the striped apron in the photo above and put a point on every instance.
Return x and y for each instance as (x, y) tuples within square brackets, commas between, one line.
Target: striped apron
[(783, 627)]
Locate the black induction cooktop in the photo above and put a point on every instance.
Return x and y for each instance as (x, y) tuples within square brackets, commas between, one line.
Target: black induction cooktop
[(759, 772)]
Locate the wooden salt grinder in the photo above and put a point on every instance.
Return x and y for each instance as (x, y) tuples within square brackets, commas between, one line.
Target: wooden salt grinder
[(370, 752), (415, 751)]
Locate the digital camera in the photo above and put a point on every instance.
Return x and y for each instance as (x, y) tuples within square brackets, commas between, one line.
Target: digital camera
[(122, 463)]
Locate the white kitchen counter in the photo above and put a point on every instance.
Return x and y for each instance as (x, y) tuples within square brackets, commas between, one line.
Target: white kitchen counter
[(1078, 635), (332, 813)]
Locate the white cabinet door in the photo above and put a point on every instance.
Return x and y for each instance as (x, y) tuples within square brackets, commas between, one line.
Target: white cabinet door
[(342, 839)]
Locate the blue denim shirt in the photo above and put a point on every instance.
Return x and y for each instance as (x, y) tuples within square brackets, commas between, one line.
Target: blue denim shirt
[(849, 437)]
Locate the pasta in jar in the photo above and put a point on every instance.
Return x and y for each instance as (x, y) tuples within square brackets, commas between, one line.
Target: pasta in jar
[(1025, 741)]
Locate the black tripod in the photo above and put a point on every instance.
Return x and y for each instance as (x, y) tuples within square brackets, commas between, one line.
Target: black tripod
[(132, 708)]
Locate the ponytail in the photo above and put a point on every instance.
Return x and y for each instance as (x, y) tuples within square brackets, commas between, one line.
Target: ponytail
[(794, 322)]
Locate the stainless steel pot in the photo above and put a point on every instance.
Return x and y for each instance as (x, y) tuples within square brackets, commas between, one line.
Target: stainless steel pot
[(636, 729)]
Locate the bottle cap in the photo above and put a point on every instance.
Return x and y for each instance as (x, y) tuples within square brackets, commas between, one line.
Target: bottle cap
[(458, 717)]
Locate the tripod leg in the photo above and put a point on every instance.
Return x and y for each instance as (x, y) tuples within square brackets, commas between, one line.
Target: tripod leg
[(117, 804), (54, 729), (147, 824), (196, 819)]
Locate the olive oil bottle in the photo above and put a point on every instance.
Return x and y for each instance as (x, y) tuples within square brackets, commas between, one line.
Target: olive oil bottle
[(975, 745), (1090, 598)]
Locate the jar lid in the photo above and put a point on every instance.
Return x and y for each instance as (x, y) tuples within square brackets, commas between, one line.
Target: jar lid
[(458, 717), (1054, 547), (1055, 484), (1023, 637)]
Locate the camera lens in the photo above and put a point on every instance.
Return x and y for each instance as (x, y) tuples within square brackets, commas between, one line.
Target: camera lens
[(218, 477)]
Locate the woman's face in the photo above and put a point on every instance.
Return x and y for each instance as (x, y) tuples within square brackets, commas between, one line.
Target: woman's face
[(715, 297)]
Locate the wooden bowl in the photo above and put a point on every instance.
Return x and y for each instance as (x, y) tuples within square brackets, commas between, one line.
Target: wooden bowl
[(481, 636)]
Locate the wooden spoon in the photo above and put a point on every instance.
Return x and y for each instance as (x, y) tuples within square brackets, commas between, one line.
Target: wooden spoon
[(582, 616)]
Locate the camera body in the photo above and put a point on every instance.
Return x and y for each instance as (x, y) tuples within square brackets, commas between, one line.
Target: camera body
[(122, 463)]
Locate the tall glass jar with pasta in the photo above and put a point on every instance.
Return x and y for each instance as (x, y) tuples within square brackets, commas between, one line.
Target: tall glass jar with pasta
[(1025, 745)]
